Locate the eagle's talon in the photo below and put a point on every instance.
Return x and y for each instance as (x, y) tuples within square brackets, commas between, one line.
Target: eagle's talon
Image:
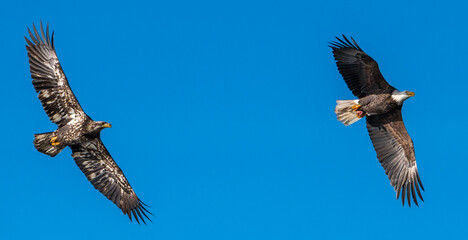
[(53, 141), (356, 107)]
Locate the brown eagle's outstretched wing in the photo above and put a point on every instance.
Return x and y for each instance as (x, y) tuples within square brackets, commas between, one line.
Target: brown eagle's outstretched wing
[(97, 164), (50, 82), (395, 152), (360, 72)]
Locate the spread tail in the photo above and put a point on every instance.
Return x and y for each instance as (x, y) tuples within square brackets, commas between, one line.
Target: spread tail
[(43, 145), (344, 111)]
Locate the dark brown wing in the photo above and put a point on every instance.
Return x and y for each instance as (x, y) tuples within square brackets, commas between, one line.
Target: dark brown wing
[(50, 82), (97, 164), (395, 152), (360, 72)]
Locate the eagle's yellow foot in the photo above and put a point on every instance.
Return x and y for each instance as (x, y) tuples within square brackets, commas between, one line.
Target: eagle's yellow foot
[(356, 107), (53, 142)]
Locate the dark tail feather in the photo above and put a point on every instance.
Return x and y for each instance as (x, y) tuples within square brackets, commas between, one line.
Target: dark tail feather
[(42, 144)]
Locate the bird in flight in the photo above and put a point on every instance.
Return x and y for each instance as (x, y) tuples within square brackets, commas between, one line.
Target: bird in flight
[(75, 128), (381, 104)]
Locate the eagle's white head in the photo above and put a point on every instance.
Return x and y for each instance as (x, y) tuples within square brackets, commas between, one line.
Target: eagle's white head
[(400, 97)]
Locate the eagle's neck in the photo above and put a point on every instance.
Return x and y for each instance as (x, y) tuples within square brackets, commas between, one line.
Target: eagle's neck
[(399, 97)]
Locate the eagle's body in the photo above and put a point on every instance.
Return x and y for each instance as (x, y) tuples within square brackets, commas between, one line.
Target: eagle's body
[(377, 104), (77, 131), (381, 104), (75, 128)]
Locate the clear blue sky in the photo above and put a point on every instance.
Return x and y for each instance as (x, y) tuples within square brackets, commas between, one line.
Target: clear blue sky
[(223, 119)]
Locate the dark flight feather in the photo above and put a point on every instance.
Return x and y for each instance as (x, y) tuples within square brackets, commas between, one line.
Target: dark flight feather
[(395, 152), (105, 175), (50, 81), (360, 72)]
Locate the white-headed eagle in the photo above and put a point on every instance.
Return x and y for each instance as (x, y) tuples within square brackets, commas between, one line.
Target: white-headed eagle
[(381, 104), (75, 128)]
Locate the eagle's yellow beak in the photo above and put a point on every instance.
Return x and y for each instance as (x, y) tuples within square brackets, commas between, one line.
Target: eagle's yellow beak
[(411, 94), (107, 125)]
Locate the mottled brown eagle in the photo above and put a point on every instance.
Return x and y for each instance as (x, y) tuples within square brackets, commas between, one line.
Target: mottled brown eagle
[(381, 104), (75, 128)]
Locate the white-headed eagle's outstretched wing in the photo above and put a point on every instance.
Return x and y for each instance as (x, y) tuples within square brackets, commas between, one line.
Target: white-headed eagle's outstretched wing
[(49, 80), (360, 72), (101, 170), (395, 152)]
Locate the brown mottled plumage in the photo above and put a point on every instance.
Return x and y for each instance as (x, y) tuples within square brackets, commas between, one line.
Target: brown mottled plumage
[(75, 128), (381, 104)]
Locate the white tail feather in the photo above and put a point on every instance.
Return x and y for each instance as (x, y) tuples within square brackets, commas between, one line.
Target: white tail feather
[(345, 113)]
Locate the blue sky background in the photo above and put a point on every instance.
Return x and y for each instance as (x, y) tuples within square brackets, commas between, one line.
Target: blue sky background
[(223, 119)]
